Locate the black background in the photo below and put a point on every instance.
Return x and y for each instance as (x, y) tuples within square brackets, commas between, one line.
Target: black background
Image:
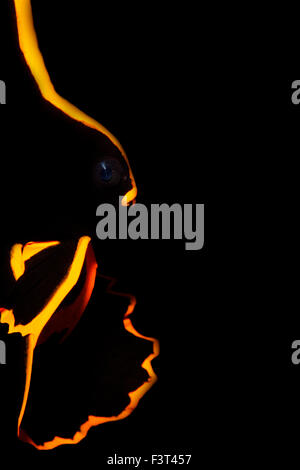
[(137, 70)]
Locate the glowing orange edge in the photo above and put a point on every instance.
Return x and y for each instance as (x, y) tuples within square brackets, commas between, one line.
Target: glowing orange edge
[(29, 46), (134, 396), (33, 329)]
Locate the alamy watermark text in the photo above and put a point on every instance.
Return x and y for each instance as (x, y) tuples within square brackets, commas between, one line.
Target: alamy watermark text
[(160, 221)]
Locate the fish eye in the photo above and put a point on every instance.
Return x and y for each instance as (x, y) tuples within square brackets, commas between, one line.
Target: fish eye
[(109, 172), (105, 171)]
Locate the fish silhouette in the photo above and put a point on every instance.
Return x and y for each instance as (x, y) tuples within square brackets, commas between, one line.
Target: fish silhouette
[(76, 361)]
